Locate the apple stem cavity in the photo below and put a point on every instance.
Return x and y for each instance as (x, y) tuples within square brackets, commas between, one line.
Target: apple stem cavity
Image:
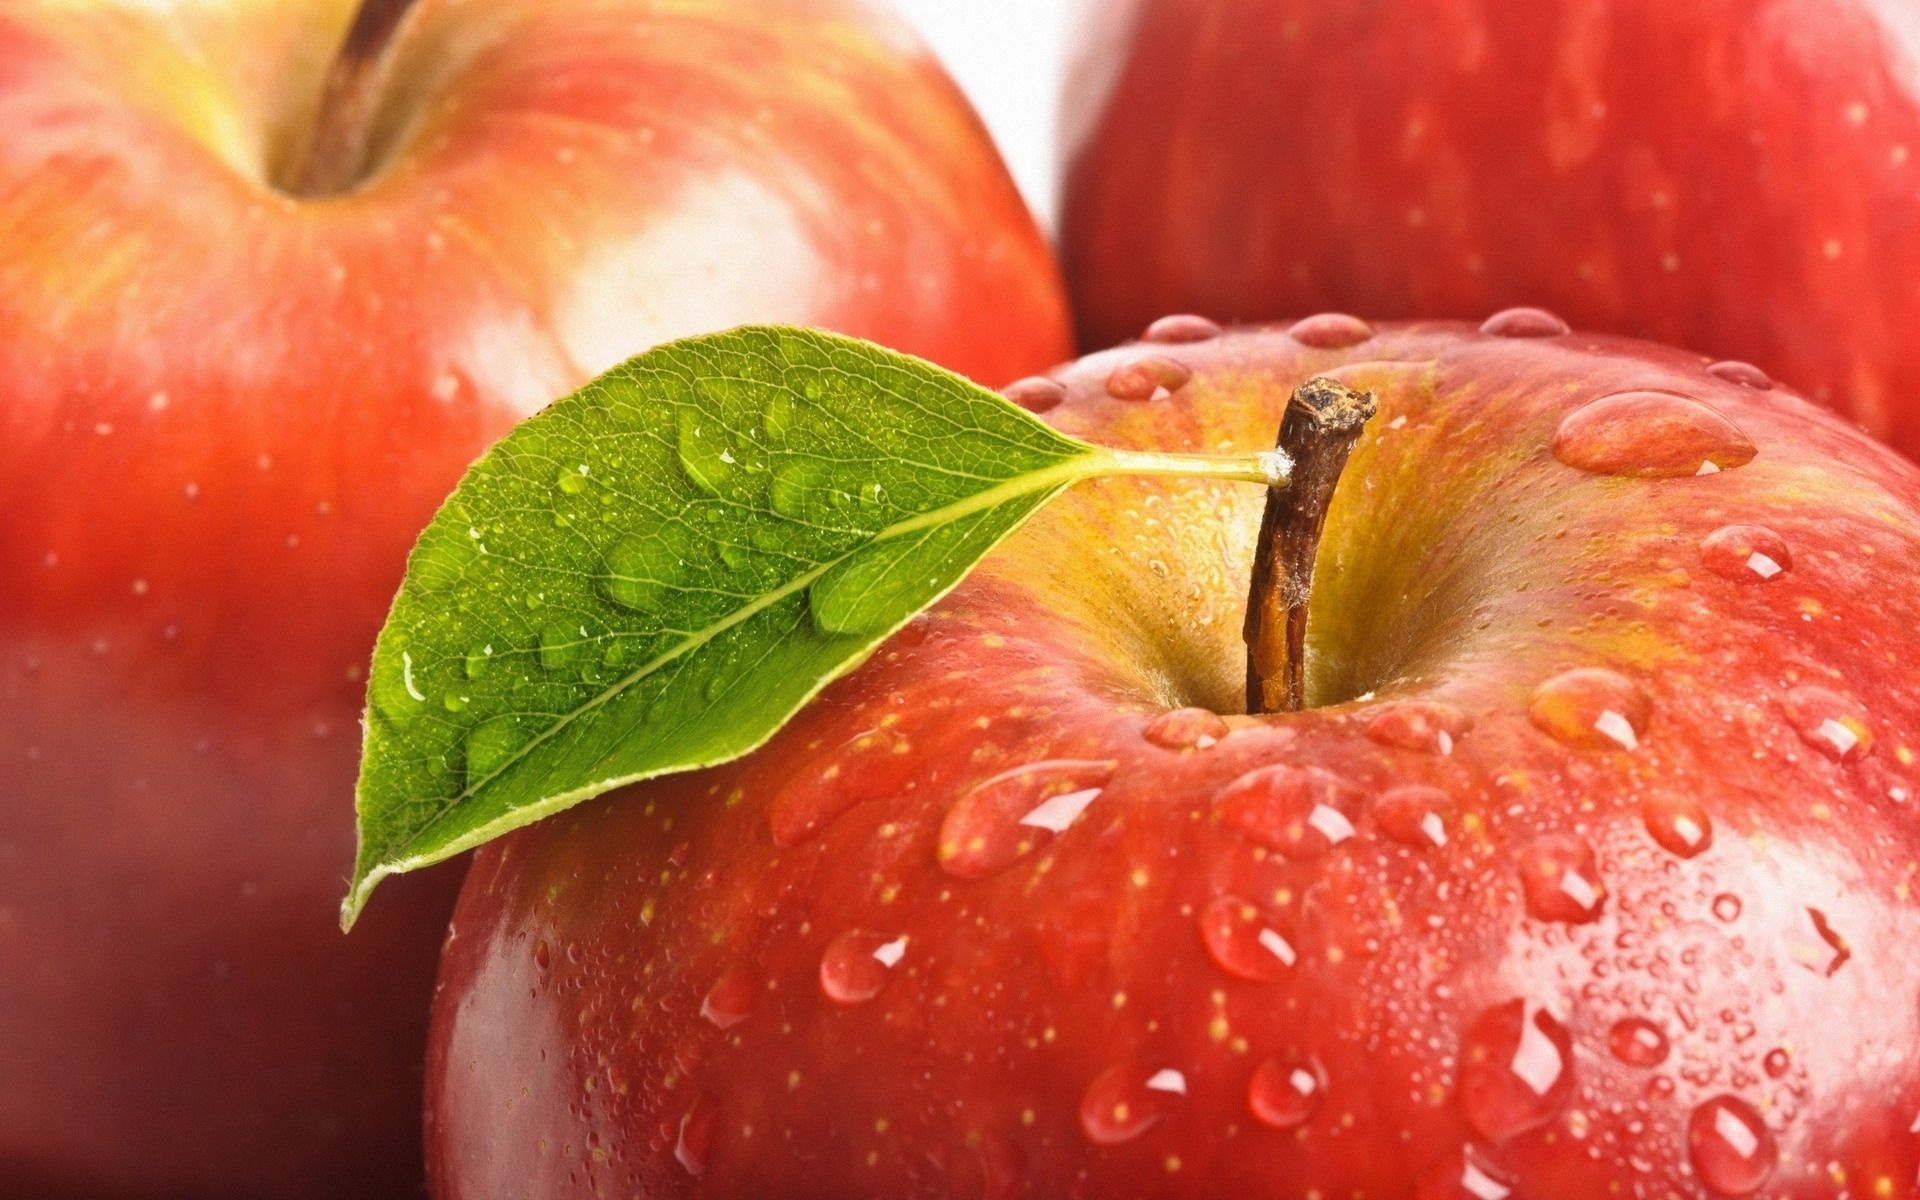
[(334, 155), (1323, 420)]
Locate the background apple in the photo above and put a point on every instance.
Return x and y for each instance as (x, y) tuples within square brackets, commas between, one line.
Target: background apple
[(226, 409), (1601, 819), (1738, 178)]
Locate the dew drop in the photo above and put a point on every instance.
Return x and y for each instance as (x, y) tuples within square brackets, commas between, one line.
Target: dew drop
[(777, 417), (1243, 942), (394, 686), (572, 481), (1727, 907), (704, 454), (1181, 327), (1285, 1092), (694, 1145), (1147, 379), (1302, 812), (563, 644), (1746, 553), (1036, 393), (1415, 814), (490, 744), (856, 965), (1003, 819), (1418, 725), (1638, 1042), (1829, 722), (1777, 1063), (542, 954), (1560, 879), (1678, 823), (730, 1000), (478, 660), (1744, 374), (1330, 331), (868, 766), (1185, 729), (1731, 1148), (797, 487), (1466, 1176), (1591, 707), (630, 579), (1516, 1070), (1649, 434), (1126, 1100), (1523, 323)]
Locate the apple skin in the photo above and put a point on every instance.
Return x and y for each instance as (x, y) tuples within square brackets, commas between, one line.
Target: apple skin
[(1736, 178), (672, 974), (224, 414)]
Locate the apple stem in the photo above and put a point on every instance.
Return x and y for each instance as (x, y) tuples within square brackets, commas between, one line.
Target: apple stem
[(335, 152), (1323, 420)]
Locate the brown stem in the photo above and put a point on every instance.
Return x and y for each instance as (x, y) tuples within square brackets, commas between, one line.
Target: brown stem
[(336, 150), (1322, 422)]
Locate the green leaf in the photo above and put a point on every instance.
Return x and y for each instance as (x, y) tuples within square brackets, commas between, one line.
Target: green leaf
[(655, 573)]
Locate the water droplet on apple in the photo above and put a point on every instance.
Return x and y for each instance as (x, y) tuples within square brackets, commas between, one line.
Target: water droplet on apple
[(868, 766), (1285, 1092), (1638, 1042), (704, 454), (1829, 722), (1036, 393), (1147, 378), (542, 954), (1186, 729), (1591, 707), (1731, 1148), (1516, 1070), (1302, 812), (1777, 1063), (1467, 1175), (1427, 725), (1649, 434), (1560, 879), (1330, 331), (857, 963), (1181, 327), (1727, 907), (1744, 374), (491, 743), (730, 1000), (1415, 814), (1126, 1100), (1678, 823), (629, 580), (1746, 553), (694, 1145), (1244, 942), (1003, 819), (1523, 323)]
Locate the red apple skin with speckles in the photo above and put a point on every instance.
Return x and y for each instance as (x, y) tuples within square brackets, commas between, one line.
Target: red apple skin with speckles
[(225, 412), (1571, 760), (1734, 177)]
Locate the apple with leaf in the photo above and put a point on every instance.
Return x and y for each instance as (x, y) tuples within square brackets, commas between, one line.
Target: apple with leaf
[(271, 275), (1501, 787)]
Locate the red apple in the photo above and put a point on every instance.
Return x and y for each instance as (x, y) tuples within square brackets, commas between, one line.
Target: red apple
[(1735, 177), (225, 410), (1587, 873)]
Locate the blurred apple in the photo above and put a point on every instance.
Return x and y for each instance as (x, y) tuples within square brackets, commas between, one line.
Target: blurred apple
[(248, 339), (1734, 177)]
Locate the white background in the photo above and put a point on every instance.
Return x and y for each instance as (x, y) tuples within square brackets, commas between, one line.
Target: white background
[(1009, 56)]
